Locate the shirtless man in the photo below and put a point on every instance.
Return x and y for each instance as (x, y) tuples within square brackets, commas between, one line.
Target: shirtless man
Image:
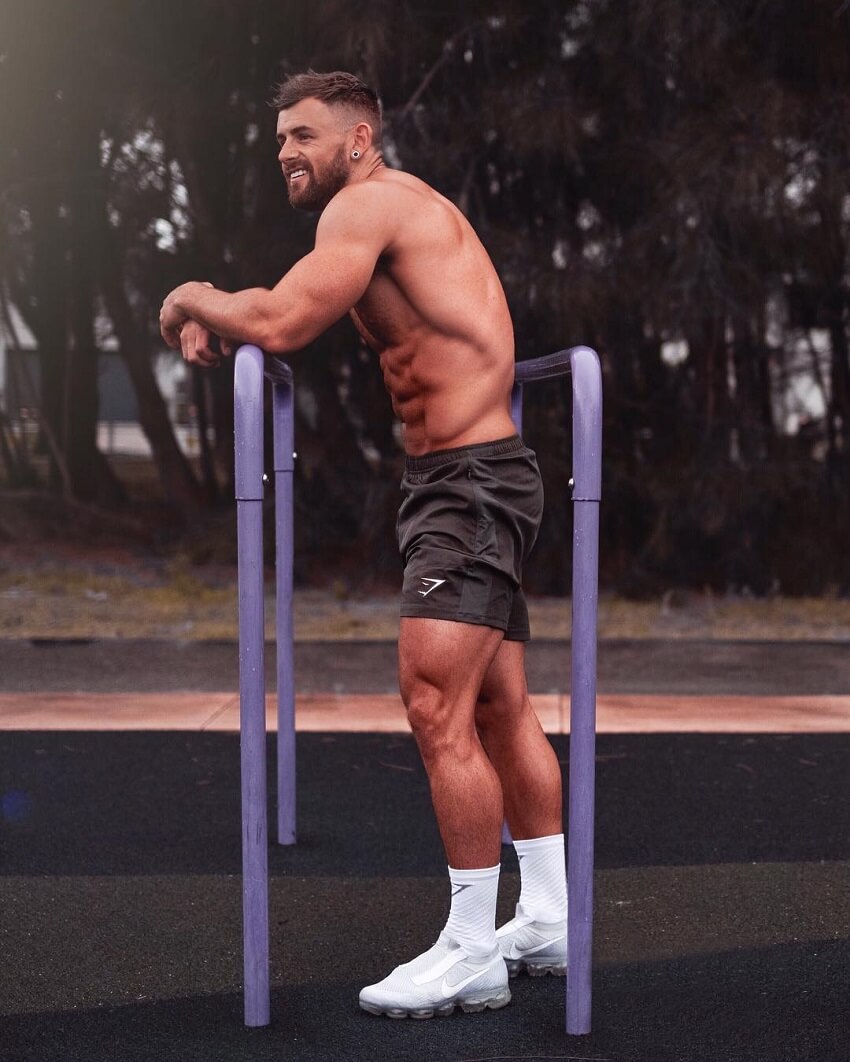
[(423, 293)]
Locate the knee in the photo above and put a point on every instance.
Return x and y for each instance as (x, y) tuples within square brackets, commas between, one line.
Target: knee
[(435, 722), (426, 713)]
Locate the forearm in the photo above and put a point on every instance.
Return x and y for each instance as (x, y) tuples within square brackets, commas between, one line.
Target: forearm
[(241, 315)]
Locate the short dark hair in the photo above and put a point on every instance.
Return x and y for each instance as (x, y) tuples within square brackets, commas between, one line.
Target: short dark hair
[(337, 89)]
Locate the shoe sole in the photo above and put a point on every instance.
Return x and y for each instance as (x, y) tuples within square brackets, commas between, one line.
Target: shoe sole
[(535, 969), (468, 1006)]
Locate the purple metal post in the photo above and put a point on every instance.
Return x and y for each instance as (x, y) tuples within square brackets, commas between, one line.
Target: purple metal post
[(516, 406), (284, 465), (587, 491), (248, 430), (516, 417)]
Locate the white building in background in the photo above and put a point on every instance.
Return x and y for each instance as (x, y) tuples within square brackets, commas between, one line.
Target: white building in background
[(119, 431)]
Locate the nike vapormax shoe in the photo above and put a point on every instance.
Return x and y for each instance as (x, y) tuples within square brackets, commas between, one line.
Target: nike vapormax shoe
[(437, 981), (538, 947)]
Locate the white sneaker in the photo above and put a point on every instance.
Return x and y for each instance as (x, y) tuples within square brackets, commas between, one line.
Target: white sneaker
[(439, 979), (538, 947)]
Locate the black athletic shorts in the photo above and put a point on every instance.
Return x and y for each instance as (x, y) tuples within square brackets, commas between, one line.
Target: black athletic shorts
[(467, 522)]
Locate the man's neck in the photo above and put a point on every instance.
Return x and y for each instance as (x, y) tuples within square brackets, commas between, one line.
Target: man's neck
[(369, 167)]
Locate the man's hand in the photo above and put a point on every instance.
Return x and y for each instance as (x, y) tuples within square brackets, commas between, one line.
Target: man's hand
[(195, 345), (172, 317), (170, 322)]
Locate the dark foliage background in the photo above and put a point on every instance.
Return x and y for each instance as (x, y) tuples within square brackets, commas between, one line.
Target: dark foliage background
[(667, 182)]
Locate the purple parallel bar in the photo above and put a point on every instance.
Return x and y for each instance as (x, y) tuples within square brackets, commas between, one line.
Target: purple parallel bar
[(516, 417), (544, 368), (583, 364), (249, 478), (284, 466), (587, 424), (248, 431), (516, 406), (587, 492)]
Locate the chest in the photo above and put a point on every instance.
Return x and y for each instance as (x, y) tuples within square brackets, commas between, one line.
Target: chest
[(382, 316)]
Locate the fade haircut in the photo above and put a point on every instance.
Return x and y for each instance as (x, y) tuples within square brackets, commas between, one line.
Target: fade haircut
[(338, 90)]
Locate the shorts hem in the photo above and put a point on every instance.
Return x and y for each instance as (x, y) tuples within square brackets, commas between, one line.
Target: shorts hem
[(472, 618)]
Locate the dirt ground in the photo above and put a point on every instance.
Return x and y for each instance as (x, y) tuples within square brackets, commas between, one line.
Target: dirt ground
[(64, 593)]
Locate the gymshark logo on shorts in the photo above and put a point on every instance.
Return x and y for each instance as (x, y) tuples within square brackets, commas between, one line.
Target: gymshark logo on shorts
[(434, 584)]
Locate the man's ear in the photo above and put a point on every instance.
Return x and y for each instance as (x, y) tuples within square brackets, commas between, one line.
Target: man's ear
[(363, 137)]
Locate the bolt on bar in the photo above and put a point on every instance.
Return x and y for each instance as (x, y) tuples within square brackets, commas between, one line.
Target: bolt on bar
[(250, 368)]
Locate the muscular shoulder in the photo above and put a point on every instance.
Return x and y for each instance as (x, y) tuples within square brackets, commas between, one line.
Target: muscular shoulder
[(376, 208)]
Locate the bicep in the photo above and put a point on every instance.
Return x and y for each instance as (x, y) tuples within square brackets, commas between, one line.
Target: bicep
[(329, 281), (319, 289)]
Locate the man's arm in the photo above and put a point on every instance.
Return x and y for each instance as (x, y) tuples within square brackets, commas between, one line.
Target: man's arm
[(353, 232)]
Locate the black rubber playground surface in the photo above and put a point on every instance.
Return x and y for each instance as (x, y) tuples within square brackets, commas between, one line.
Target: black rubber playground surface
[(722, 889)]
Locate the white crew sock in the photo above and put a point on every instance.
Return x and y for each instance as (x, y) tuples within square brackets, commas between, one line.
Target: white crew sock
[(543, 878), (472, 919)]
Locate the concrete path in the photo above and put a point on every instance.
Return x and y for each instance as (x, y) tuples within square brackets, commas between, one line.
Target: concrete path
[(384, 713), (644, 666), (644, 686)]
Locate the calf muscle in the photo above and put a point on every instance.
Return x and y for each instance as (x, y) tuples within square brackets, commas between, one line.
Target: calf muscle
[(441, 666)]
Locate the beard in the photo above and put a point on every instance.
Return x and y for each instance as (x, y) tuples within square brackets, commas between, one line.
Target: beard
[(314, 191)]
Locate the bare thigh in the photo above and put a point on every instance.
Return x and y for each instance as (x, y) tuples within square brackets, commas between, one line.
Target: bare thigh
[(503, 694), (442, 664)]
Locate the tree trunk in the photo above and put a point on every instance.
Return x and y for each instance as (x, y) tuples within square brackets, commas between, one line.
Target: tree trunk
[(834, 312), (181, 488), (711, 379), (49, 316), (92, 478), (839, 407), (751, 382)]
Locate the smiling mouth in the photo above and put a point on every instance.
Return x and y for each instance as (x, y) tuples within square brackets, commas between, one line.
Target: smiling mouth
[(296, 175)]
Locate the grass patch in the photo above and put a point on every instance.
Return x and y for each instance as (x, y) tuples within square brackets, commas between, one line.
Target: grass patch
[(174, 600)]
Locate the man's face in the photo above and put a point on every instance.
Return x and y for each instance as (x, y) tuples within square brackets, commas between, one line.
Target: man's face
[(312, 153)]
